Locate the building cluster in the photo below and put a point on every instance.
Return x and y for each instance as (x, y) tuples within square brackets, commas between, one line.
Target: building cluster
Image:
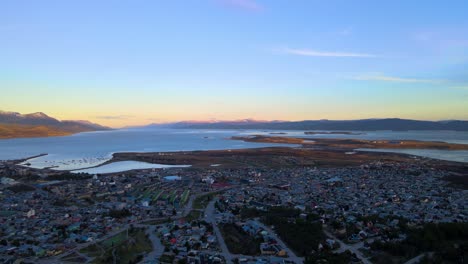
[(43, 217), (355, 203), (415, 193)]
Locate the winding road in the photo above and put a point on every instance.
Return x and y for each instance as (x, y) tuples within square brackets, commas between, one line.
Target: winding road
[(143, 223), (354, 248), (210, 218), (158, 248)]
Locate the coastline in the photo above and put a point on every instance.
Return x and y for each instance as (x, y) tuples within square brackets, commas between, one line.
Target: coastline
[(273, 157), (279, 157), (300, 151), (352, 144)]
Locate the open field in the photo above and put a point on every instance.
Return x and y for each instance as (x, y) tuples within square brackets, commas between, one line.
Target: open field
[(316, 153), (202, 201), (356, 143), (260, 157), (278, 157), (238, 241), (120, 247)]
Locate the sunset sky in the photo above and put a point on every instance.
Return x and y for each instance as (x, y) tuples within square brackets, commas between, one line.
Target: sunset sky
[(128, 62)]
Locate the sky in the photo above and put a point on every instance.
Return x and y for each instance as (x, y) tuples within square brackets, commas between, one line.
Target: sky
[(134, 62)]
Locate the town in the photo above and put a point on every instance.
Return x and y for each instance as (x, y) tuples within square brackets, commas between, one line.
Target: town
[(353, 214)]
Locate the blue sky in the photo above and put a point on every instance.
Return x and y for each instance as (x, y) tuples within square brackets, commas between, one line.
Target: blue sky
[(136, 62)]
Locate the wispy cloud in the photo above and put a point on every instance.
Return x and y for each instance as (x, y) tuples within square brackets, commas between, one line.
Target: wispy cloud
[(250, 5), (385, 78), (316, 53), (113, 117)]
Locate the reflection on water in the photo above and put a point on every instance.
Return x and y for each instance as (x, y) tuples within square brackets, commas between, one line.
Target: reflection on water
[(93, 148), (126, 166)]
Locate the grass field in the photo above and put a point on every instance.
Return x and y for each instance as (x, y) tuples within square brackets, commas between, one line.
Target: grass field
[(124, 249), (7, 213), (193, 215), (202, 201)]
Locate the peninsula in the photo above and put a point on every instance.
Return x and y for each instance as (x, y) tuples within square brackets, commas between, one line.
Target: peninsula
[(16, 125)]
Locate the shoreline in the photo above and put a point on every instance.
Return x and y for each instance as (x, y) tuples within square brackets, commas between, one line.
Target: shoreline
[(284, 156), (272, 158), (350, 144), (333, 133), (322, 151)]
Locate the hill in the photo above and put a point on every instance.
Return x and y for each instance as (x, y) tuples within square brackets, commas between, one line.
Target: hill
[(14, 125), (22, 131)]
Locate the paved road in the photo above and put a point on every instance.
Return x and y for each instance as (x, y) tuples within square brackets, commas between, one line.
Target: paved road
[(354, 248), (417, 258), (185, 212), (210, 218), (158, 248), (57, 259)]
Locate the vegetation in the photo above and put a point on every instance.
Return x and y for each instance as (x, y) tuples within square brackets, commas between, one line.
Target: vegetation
[(309, 232), (290, 227), (7, 213), (184, 197), (246, 213), (17, 131), (120, 213), (68, 176), (328, 257), (21, 188), (446, 240), (167, 258), (193, 215), (458, 180), (238, 241), (202, 201), (121, 248), (92, 250)]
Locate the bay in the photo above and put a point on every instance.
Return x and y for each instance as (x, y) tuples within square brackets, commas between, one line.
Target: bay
[(88, 149)]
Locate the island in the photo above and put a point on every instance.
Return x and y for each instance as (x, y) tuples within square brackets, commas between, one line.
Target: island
[(332, 133), (351, 144)]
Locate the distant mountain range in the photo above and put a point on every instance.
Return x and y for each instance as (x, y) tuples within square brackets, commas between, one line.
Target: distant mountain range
[(13, 125), (394, 124), (203, 124)]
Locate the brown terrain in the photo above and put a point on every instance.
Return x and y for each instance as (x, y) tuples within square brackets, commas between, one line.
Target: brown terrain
[(332, 133), (351, 144), (320, 153), (16, 125), (272, 157), (281, 157), (26, 131)]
